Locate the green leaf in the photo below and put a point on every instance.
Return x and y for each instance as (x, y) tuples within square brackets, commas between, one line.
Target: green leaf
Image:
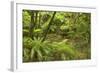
[(37, 30), (32, 53), (39, 55), (63, 27)]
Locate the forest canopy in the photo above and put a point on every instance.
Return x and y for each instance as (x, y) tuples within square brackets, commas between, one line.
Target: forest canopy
[(56, 35)]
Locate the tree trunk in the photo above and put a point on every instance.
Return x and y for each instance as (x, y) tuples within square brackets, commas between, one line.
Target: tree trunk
[(50, 23), (31, 26), (34, 16)]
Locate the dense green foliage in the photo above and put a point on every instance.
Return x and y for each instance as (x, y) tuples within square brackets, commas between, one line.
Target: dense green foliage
[(53, 36)]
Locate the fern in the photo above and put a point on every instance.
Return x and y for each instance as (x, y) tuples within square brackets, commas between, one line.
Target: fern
[(39, 50), (64, 51), (46, 51)]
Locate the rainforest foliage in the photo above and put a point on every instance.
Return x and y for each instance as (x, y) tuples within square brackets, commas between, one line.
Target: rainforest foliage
[(56, 35)]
